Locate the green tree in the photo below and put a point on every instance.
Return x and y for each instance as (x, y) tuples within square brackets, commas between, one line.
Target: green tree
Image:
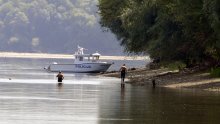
[(172, 30)]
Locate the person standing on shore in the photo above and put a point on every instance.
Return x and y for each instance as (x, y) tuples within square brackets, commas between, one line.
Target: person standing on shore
[(123, 71), (60, 78)]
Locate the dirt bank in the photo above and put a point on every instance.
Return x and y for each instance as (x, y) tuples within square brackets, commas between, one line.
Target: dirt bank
[(171, 79)]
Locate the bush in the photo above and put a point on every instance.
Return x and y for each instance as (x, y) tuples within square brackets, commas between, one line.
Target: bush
[(175, 65), (215, 72)]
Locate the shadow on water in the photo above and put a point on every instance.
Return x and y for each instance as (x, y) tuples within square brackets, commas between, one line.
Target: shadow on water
[(147, 105)]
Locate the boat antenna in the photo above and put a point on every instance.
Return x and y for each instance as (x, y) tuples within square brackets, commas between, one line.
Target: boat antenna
[(80, 50)]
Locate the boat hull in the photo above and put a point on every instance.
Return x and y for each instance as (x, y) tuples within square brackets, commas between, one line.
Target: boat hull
[(80, 68)]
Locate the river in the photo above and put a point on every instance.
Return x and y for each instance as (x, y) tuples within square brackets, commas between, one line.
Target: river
[(30, 95)]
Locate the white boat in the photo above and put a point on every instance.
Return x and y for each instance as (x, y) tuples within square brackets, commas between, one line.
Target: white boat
[(83, 63)]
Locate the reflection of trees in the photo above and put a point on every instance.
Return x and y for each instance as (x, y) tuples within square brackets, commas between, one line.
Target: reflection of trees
[(159, 106)]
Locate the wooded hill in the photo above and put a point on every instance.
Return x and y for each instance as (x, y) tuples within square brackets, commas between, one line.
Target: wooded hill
[(53, 26)]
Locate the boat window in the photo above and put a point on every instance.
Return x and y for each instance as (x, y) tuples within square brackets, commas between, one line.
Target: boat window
[(80, 58), (96, 58)]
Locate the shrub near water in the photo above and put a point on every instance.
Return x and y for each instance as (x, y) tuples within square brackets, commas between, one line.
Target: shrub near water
[(215, 72), (175, 65)]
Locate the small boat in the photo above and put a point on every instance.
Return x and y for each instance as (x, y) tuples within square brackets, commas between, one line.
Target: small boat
[(83, 63)]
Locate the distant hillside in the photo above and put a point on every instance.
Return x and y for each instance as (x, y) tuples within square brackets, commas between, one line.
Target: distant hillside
[(53, 26)]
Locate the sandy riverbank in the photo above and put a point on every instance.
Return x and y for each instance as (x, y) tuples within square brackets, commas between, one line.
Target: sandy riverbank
[(171, 79), (65, 56)]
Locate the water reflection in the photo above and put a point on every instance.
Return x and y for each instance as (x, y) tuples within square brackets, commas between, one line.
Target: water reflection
[(33, 96), (60, 86), (159, 106), (106, 104)]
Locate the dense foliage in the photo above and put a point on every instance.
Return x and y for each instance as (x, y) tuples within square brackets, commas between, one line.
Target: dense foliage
[(172, 30), (51, 26)]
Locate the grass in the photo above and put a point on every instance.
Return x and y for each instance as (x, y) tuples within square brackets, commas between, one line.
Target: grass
[(175, 65), (215, 72)]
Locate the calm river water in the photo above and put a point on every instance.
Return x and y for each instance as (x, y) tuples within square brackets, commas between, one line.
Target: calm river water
[(30, 95)]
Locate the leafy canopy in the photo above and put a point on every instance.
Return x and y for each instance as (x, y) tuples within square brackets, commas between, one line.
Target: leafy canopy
[(172, 30)]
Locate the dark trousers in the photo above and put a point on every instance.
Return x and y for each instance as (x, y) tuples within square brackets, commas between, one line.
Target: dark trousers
[(60, 79), (123, 77)]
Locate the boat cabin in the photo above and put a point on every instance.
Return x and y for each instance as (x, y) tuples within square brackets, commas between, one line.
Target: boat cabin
[(81, 57)]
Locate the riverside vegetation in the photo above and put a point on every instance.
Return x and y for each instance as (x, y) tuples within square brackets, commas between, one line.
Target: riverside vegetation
[(181, 33)]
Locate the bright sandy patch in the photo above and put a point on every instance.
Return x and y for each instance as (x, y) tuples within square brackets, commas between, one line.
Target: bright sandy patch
[(196, 83), (65, 56)]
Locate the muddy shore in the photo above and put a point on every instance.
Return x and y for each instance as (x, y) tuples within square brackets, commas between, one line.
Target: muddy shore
[(170, 79)]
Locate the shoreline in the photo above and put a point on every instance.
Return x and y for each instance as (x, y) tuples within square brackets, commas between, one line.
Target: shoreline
[(64, 56), (170, 79)]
